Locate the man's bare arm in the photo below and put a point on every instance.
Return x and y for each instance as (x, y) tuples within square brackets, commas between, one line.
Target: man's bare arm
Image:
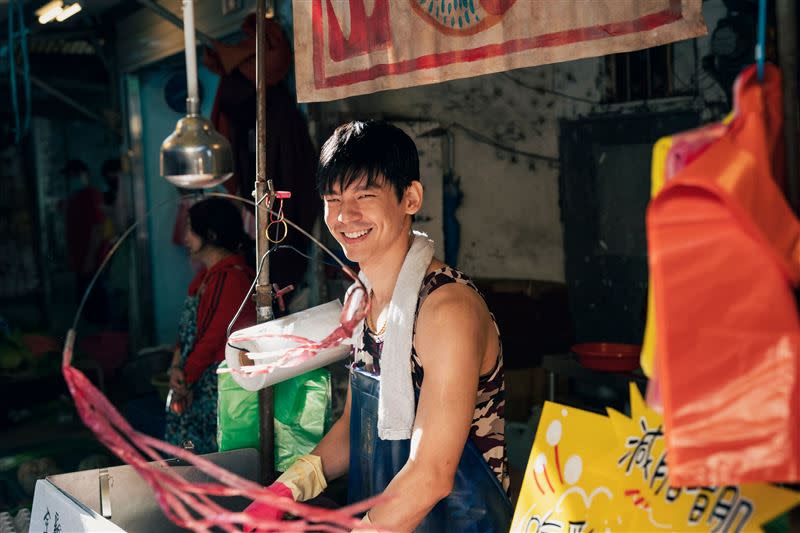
[(334, 448)]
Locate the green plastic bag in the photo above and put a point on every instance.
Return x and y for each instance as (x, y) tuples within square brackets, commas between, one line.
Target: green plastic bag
[(302, 415)]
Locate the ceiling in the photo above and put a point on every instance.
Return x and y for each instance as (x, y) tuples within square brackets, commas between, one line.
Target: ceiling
[(74, 57), (91, 8)]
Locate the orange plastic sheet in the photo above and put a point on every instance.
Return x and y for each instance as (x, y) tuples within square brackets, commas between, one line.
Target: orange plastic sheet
[(724, 255), (670, 155)]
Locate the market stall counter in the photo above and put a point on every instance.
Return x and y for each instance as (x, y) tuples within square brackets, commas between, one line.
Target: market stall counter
[(118, 499)]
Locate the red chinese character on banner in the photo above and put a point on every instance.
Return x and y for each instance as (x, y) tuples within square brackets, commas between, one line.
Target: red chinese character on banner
[(367, 33)]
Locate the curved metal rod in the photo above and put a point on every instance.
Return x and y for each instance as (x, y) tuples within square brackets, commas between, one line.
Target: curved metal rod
[(313, 239), (136, 223), (110, 254)]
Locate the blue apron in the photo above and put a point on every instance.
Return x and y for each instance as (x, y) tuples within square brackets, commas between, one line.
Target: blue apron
[(477, 504)]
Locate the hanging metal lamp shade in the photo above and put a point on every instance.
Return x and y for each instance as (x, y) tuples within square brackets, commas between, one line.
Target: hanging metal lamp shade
[(195, 156)]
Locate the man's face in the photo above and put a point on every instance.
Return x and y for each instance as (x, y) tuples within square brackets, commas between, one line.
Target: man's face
[(367, 221)]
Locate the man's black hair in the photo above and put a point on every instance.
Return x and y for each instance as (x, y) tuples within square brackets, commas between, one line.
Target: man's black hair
[(374, 150)]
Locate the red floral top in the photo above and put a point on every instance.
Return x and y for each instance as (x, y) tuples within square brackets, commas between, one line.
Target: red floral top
[(221, 289)]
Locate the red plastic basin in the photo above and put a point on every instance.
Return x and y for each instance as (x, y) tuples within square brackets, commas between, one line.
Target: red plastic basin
[(608, 356)]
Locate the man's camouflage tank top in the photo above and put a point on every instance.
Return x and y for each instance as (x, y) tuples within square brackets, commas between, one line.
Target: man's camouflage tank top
[(488, 421)]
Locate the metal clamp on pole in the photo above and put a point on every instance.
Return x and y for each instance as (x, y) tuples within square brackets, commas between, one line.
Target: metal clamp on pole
[(265, 195)]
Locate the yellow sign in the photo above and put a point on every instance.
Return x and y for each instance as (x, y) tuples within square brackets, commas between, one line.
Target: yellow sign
[(592, 473)]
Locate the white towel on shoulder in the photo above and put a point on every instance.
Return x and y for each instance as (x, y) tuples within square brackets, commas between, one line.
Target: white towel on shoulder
[(396, 404)]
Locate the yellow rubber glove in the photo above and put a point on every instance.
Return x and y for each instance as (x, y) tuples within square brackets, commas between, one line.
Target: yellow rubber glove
[(304, 478)]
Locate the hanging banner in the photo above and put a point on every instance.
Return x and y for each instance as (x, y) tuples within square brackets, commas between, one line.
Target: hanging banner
[(589, 472), (350, 47)]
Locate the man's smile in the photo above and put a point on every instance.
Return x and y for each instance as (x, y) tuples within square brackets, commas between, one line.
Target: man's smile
[(355, 236)]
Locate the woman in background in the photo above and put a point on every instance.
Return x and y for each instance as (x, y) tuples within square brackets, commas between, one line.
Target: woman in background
[(215, 237)]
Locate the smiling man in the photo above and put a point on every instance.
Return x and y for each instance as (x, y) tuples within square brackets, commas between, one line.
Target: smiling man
[(423, 421)]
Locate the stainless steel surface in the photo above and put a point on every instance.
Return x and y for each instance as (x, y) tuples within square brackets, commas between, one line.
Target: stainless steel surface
[(196, 156), (786, 15), (265, 194), (132, 499)]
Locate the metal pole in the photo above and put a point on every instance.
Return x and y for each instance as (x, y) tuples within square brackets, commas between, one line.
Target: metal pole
[(265, 194), (192, 91), (168, 15), (142, 322), (786, 15)]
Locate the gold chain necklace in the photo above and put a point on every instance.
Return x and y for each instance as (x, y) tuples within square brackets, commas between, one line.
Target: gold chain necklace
[(372, 326)]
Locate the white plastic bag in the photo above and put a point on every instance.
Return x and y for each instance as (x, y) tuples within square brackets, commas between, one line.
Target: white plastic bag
[(264, 345)]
